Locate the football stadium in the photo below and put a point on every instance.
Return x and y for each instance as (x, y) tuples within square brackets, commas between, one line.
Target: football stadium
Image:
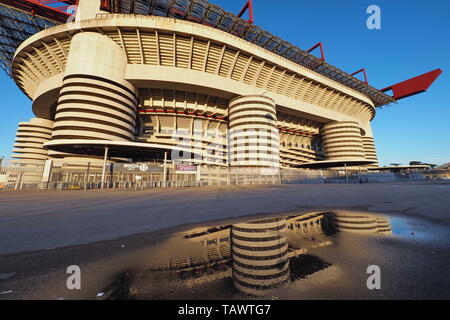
[(124, 82)]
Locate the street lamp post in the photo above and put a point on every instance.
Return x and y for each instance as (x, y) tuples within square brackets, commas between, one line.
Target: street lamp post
[(346, 173), (165, 169), (105, 159)]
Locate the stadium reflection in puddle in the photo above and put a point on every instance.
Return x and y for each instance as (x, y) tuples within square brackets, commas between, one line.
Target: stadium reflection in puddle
[(249, 258)]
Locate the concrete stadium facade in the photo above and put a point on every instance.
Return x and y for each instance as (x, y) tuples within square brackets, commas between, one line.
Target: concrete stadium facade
[(172, 85)]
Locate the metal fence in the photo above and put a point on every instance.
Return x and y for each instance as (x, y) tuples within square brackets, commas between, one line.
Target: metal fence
[(58, 175), (16, 175)]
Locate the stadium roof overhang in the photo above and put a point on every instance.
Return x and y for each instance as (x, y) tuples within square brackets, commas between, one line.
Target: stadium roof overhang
[(116, 149), (43, 13), (334, 163), (400, 168), (20, 19)]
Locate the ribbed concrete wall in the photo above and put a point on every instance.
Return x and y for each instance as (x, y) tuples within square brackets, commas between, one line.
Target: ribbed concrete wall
[(254, 137), (260, 255), (342, 140), (369, 150), (95, 102), (30, 138), (94, 108)]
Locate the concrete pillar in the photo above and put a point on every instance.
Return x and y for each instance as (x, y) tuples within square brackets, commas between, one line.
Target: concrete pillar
[(105, 162), (254, 137), (260, 255)]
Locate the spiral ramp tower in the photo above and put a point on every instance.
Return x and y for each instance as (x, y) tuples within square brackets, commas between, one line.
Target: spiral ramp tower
[(29, 153), (95, 103), (342, 140), (30, 139), (370, 150), (254, 136)]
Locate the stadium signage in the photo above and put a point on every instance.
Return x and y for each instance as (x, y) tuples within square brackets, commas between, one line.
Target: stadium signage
[(184, 168), (136, 167)]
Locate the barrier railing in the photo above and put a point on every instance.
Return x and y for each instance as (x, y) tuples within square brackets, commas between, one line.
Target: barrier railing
[(19, 175)]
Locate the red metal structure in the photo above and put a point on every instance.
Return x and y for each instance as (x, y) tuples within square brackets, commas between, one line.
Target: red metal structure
[(249, 6), (106, 5), (413, 86), (49, 9), (365, 74), (321, 50)]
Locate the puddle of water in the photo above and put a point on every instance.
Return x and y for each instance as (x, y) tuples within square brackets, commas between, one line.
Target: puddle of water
[(245, 259), (419, 229)]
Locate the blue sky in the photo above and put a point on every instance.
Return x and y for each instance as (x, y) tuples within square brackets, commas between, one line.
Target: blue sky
[(414, 39)]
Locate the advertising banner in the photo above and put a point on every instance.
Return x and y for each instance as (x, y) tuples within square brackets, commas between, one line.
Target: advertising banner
[(184, 168), (137, 167)]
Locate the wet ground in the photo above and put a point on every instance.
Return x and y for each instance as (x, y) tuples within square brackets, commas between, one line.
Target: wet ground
[(31, 221), (413, 260)]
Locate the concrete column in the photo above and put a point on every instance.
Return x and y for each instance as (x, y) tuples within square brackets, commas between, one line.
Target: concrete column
[(105, 161), (165, 170)]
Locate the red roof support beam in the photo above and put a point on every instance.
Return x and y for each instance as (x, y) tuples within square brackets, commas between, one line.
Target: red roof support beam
[(365, 75), (36, 7), (106, 5), (322, 53), (413, 86), (249, 6)]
